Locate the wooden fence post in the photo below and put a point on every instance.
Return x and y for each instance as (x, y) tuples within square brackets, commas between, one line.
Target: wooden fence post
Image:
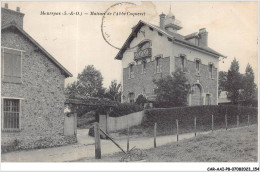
[(155, 128), (195, 126), (97, 141), (237, 120), (127, 137), (177, 125), (226, 120), (248, 120), (212, 125)]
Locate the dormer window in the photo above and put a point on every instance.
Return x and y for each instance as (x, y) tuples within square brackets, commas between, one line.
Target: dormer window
[(131, 71)]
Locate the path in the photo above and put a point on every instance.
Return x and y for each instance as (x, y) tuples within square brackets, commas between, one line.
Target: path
[(85, 148)]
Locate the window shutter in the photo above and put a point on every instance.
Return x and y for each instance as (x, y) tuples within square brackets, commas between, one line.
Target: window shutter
[(12, 66)]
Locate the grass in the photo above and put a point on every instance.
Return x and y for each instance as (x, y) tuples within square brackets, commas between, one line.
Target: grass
[(233, 145)]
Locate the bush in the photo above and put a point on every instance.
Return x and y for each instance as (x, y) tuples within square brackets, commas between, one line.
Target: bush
[(125, 109), (166, 117)]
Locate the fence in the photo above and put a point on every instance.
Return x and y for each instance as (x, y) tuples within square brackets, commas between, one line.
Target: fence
[(194, 119), (220, 115)]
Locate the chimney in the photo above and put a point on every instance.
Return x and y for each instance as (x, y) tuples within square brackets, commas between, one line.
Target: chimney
[(203, 37), (162, 19), (10, 16)]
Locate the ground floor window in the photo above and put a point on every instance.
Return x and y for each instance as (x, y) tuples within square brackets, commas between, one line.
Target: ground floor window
[(11, 114), (208, 99), (131, 97)]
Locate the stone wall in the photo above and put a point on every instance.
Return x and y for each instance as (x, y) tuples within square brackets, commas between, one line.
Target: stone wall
[(42, 96)]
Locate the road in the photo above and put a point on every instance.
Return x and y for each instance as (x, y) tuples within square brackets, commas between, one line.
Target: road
[(85, 148)]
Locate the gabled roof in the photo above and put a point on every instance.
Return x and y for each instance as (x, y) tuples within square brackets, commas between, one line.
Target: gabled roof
[(13, 25), (178, 38)]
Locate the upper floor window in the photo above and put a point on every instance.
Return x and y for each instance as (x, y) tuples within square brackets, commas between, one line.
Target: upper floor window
[(143, 66), (182, 57), (144, 50), (11, 65), (197, 63), (131, 71), (11, 114), (210, 70), (158, 64)]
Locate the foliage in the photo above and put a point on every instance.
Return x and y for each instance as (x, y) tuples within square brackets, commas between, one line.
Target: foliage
[(222, 80), (141, 100), (114, 91), (125, 109), (234, 82), (249, 87), (89, 83), (172, 91)]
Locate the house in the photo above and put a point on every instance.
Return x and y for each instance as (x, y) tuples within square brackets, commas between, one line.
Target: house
[(151, 52), (32, 88)]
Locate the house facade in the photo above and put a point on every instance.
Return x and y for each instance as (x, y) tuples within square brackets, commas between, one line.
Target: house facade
[(32, 89), (152, 52)]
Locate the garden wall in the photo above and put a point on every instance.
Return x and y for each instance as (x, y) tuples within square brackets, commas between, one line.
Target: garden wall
[(119, 123)]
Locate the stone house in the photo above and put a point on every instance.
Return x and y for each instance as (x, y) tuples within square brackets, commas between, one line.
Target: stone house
[(151, 52), (32, 88)]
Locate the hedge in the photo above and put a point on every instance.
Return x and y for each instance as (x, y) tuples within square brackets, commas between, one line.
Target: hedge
[(166, 117)]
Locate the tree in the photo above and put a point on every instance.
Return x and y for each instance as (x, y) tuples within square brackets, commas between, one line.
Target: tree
[(222, 81), (89, 83), (234, 82), (173, 90), (249, 87), (114, 91)]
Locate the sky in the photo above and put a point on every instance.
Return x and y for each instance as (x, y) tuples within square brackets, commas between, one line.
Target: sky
[(77, 41)]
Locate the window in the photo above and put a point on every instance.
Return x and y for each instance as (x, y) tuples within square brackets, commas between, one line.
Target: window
[(182, 63), (208, 101), (210, 70), (143, 66), (131, 71), (197, 62), (11, 114), (11, 65), (131, 98), (158, 64)]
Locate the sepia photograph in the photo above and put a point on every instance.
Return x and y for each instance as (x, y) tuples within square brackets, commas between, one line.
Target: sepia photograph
[(86, 82)]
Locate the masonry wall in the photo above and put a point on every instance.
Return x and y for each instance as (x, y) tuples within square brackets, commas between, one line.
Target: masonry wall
[(142, 83), (42, 97), (209, 85)]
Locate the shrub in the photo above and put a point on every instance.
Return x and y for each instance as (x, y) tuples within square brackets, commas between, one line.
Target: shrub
[(125, 109), (141, 100)]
